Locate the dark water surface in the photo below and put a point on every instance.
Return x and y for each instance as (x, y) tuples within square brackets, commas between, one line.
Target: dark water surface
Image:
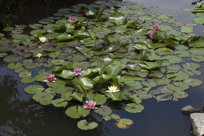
[(21, 116)]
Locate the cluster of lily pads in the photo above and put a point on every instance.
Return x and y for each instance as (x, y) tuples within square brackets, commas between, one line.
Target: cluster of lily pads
[(88, 56), (198, 11)]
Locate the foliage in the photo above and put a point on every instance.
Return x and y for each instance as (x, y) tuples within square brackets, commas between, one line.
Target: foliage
[(83, 57)]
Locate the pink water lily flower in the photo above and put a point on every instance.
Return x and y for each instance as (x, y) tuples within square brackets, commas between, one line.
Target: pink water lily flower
[(50, 31), (50, 78), (89, 104), (72, 19), (77, 71), (150, 33), (155, 27), (81, 14)]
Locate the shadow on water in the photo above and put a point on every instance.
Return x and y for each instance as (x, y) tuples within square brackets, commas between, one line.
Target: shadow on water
[(30, 11), (21, 116)]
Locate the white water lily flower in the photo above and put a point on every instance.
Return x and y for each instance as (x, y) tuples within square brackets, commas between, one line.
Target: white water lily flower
[(43, 39), (112, 89), (39, 55), (107, 59)]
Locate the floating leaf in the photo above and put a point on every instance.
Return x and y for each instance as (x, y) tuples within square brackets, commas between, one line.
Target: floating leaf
[(117, 96), (11, 58), (124, 123), (84, 125), (76, 112), (134, 108), (196, 42), (111, 116), (67, 74), (180, 94), (98, 98), (104, 111), (187, 29), (43, 98), (25, 74), (27, 80), (133, 98), (59, 103), (33, 89), (193, 82)]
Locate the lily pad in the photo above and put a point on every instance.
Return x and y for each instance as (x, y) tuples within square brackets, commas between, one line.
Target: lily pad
[(85, 125), (193, 82), (33, 89), (124, 123), (180, 94), (104, 111), (134, 108), (98, 98), (44, 98), (77, 112), (59, 103)]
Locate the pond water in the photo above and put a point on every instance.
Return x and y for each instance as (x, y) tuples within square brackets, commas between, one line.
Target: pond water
[(22, 116)]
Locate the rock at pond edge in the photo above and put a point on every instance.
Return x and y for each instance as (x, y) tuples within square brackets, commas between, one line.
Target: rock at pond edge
[(198, 123)]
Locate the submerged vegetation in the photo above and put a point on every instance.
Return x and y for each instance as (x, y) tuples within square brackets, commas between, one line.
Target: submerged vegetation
[(88, 56)]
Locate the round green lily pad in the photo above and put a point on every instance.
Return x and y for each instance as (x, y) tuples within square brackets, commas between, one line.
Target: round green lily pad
[(180, 94), (85, 125), (33, 89), (124, 123), (134, 108)]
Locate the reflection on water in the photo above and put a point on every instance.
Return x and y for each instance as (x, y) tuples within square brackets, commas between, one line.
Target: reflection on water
[(21, 116), (30, 11)]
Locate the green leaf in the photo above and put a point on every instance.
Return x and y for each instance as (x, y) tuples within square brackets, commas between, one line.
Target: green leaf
[(67, 96), (85, 82), (27, 80), (180, 94), (124, 123), (59, 103), (103, 110), (133, 98), (25, 74), (64, 37), (78, 96), (193, 82), (85, 125), (44, 98), (33, 89), (150, 65), (134, 108), (77, 112), (187, 29), (67, 74), (196, 42), (98, 98), (117, 96), (178, 76)]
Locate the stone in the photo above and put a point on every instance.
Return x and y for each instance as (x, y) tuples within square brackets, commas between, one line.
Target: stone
[(187, 110), (198, 123)]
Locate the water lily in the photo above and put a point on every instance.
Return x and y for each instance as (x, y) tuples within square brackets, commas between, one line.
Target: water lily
[(50, 78), (43, 39), (113, 89), (39, 55), (155, 27), (80, 14), (77, 71), (150, 33), (107, 59), (49, 31), (72, 19), (89, 104)]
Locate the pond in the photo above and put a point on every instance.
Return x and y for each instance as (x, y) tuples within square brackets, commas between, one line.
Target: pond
[(22, 116)]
